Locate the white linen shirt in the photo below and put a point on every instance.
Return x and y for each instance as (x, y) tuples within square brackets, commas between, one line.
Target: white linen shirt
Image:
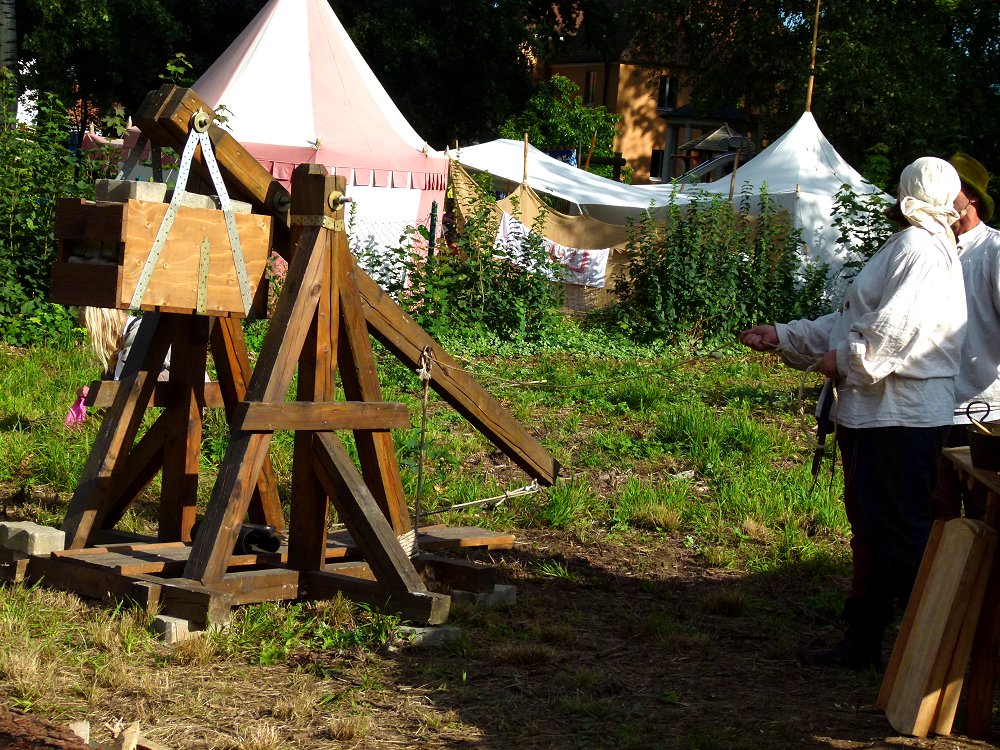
[(979, 372), (898, 336)]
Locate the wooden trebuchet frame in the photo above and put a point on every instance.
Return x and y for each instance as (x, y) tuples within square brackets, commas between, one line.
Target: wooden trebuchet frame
[(321, 326)]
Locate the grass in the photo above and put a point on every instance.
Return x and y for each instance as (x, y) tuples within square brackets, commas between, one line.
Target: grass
[(656, 446)]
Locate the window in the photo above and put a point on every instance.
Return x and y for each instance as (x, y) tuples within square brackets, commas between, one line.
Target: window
[(656, 164), (589, 87), (666, 97)]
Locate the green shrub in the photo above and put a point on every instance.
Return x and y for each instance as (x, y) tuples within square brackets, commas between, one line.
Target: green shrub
[(475, 285), (710, 269), (38, 168)]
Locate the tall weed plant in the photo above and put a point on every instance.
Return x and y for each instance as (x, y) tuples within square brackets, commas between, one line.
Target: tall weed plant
[(863, 226), (475, 284), (37, 168), (710, 269)]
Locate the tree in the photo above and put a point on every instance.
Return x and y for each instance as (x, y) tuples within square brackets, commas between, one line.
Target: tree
[(458, 69), (555, 117), (8, 46), (8, 34), (96, 53), (906, 77)]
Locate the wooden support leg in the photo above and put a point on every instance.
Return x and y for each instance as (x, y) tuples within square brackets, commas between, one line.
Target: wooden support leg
[(308, 522), (94, 493), (245, 456), (364, 519), (376, 451), (182, 447), (144, 462), (232, 365)]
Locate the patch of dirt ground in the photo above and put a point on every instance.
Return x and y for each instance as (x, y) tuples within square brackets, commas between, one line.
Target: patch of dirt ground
[(640, 645)]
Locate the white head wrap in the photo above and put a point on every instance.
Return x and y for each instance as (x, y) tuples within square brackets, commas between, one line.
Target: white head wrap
[(927, 191)]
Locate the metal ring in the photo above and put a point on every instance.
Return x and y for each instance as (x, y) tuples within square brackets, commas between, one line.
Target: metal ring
[(968, 410), (201, 121), (334, 199)]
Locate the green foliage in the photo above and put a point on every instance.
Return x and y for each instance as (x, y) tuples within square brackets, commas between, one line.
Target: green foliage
[(474, 285), (475, 56), (555, 117), (269, 633), (918, 77), (178, 70), (37, 169), (711, 270), (863, 227)]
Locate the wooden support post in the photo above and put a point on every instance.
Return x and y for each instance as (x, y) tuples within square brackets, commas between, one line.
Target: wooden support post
[(144, 462), (361, 515), (182, 445), (376, 451), (986, 643), (245, 456), (315, 190), (95, 492)]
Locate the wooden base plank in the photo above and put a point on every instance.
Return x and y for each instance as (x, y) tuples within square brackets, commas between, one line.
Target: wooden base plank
[(436, 538), (458, 574), (421, 607)]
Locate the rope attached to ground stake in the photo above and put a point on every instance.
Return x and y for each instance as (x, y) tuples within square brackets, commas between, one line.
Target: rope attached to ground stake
[(409, 539)]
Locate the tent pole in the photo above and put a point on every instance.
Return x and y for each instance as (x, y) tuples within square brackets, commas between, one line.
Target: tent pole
[(524, 172), (732, 179), (812, 64)]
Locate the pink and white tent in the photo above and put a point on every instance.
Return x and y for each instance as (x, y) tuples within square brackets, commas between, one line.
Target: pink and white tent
[(297, 90)]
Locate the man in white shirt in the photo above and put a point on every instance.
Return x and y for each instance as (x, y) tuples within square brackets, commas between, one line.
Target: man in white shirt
[(977, 387), (893, 351)]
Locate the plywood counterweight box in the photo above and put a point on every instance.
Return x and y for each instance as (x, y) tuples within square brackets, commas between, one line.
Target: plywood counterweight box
[(103, 248)]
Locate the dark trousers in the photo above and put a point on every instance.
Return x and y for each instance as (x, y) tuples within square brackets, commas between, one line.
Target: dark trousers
[(889, 473)]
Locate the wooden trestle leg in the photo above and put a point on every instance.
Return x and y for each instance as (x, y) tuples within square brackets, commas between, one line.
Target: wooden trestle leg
[(95, 494), (213, 545)]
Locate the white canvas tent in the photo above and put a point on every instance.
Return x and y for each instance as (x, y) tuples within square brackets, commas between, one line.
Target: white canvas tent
[(588, 194), (802, 173), (297, 90)]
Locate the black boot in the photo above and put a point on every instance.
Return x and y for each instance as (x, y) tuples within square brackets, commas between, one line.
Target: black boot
[(848, 654), (861, 646)]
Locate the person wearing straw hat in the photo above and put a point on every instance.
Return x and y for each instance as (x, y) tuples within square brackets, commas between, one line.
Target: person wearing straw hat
[(893, 352), (977, 387)]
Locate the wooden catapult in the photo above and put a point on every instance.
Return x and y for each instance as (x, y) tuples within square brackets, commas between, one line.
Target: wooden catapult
[(322, 323)]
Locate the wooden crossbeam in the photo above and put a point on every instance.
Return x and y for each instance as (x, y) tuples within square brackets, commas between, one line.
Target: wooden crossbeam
[(322, 416), (102, 394)]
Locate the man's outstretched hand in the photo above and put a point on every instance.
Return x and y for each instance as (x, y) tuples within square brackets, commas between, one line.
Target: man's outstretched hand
[(760, 338)]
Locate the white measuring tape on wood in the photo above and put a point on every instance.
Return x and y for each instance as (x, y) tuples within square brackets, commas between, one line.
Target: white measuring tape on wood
[(198, 135)]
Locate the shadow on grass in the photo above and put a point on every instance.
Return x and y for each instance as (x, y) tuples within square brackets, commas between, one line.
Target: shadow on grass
[(612, 646)]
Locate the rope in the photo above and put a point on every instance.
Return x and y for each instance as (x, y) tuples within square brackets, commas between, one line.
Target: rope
[(528, 489), (409, 540)]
